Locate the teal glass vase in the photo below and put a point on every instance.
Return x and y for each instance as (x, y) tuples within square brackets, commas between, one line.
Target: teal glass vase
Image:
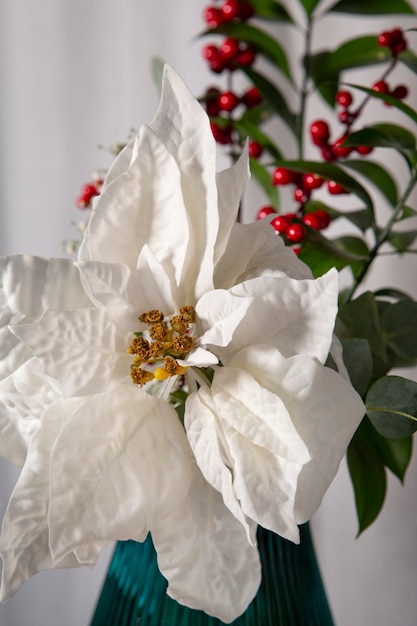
[(291, 592)]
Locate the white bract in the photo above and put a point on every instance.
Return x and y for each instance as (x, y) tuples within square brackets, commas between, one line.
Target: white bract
[(85, 403)]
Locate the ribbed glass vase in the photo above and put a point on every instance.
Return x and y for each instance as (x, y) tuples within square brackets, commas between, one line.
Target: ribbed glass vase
[(291, 592)]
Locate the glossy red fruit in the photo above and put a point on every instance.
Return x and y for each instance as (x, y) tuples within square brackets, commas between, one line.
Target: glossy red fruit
[(230, 10), (312, 220), (222, 135), (229, 48), (340, 150), (211, 52), (301, 195), (281, 224), (384, 39), (264, 211), (283, 176), (381, 86), (320, 133), (400, 92), (364, 149), (346, 117), (246, 57), (213, 16), (328, 154), (246, 10), (228, 101), (334, 188), (295, 233), (344, 98), (252, 97), (399, 47), (312, 181), (255, 149), (324, 219)]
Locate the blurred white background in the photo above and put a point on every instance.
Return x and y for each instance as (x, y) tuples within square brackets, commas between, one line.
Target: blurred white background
[(76, 74)]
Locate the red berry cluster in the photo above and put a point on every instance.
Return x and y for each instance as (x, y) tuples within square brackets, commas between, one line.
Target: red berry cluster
[(320, 136), (88, 191), (230, 10), (393, 39), (229, 55), (292, 225), (400, 92), (220, 104), (304, 183)]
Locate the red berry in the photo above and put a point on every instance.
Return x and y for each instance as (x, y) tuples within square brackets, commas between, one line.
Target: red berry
[(252, 97), (334, 188), (399, 47), (320, 133), (400, 92), (212, 107), (364, 149), (340, 150), (312, 220), (328, 154), (381, 86), (264, 211), (283, 176), (324, 219), (221, 135), (246, 57), (296, 250), (384, 39), (311, 181), (213, 16), (295, 233), (344, 98), (230, 10), (229, 48), (255, 149), (281, 223), (346, 117), (301, 196), (396, 36), (217, 65), (246, 10), (228, 101), (211, 52)]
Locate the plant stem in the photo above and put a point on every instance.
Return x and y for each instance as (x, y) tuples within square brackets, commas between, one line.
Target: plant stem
[(383, 236), (304, 88)]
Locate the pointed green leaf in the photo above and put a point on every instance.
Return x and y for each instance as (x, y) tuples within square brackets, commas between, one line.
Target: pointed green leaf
[(266, 45), (392, 293), (271, 10), (331, 171), (248, 129), (408, 212), (263, 178), (309, 6), (326, 81), (401, 241), (377, 175), (361, 319), (372, 7), (358, 360), (357, 247), (395, 454), (386, 136), (273, 97), (399, 323), (409, 58), (395, 102), (358, 52), (368, 478), (321, 254), (391, 405)]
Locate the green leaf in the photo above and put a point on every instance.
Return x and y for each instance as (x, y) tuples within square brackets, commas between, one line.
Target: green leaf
[(263, 178), (391, 405), (321, 254), (273, 97), (271, 10), (332, 172), (389, 292), (377, 175), (362, 218), (372, 7), (248, 129), (309, 6), (409, 59), (356, 247), (361, 319), (395, 454), (401, 241), (358, 52), (325, 81), (266, 45), (395, 102), (399, 328), (358, 360), (368, 477), (383, 136), (408, 212)]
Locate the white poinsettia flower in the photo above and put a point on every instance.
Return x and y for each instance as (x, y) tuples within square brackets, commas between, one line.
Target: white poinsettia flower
[(166, 285)]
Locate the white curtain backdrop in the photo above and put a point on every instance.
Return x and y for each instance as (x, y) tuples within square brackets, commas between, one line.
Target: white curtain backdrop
[(77, 74)]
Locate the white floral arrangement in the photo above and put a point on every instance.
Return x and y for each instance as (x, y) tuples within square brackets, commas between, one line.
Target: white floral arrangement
[(172, 380)]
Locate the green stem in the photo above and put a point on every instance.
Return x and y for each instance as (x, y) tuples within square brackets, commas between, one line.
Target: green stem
[(383, 236), (304, 89)]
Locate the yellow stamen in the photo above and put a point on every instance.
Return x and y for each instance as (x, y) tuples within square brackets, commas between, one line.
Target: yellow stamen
[(140, 376), (151, 317), (160, 374), (183, 344), (158, 332), (188, 314), (139, 346)]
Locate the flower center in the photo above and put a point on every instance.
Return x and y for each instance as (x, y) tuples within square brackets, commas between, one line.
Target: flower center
[(157, 349)]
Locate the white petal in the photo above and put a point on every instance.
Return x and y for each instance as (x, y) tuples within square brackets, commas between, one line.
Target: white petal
[(199, 358), (121, 461), (24, 543), (24, 396), (324, 408), (205, 556), (296, 316), (265, 254), (82, 349), (218, 314), (28, 286)]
